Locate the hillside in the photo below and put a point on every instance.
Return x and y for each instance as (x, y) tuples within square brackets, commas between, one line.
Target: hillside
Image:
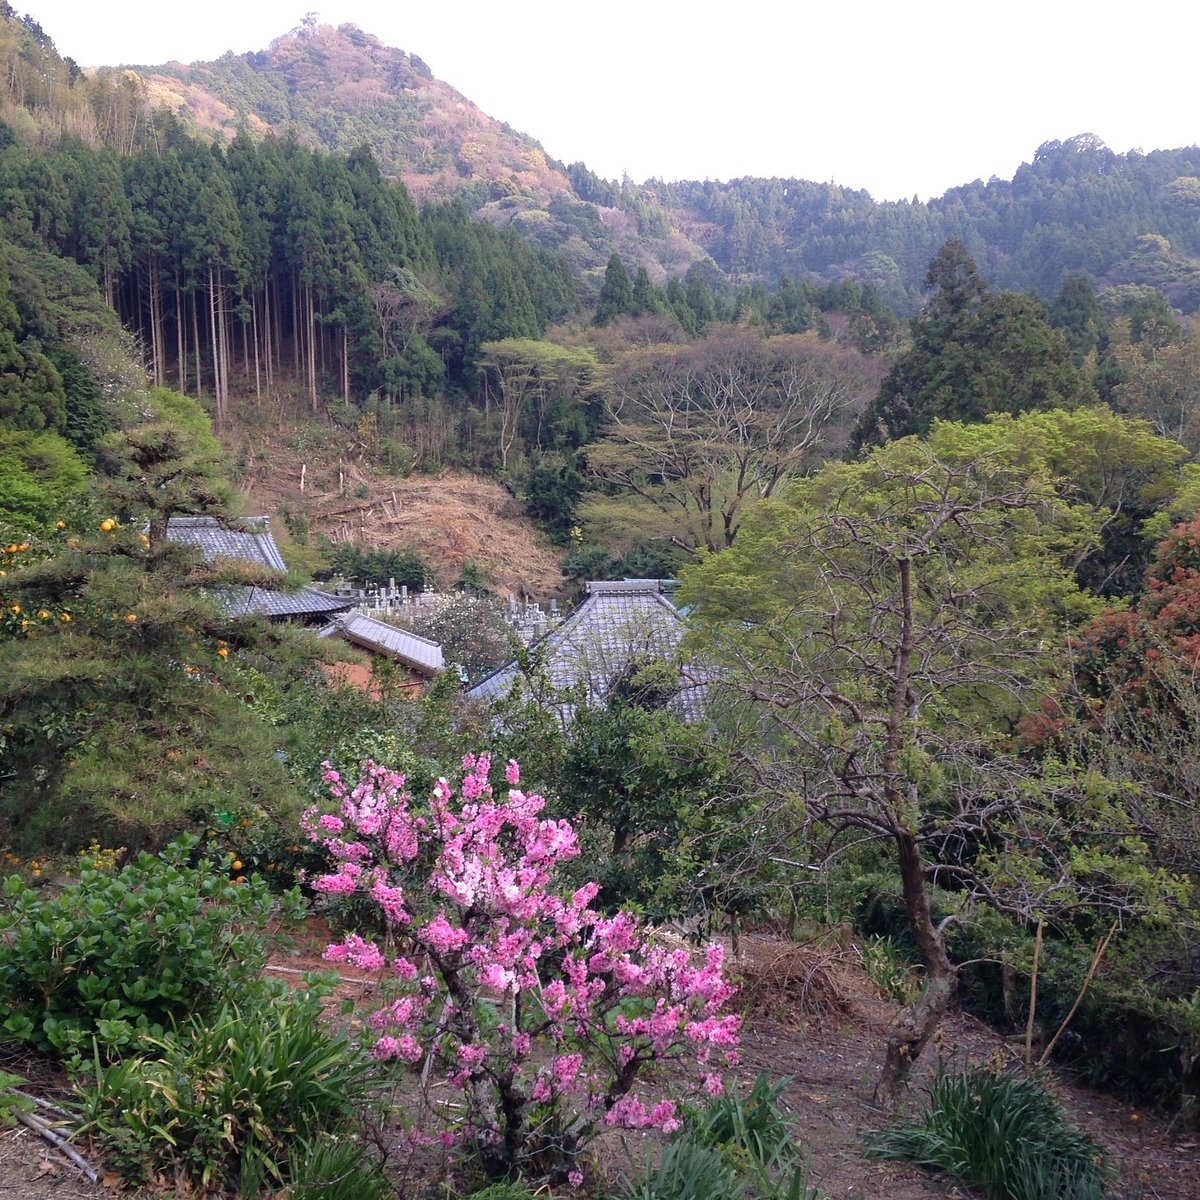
[(1076, 206), (308, 476), (337, 89)]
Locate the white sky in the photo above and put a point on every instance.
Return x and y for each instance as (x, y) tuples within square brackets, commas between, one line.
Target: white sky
[(898, 98)]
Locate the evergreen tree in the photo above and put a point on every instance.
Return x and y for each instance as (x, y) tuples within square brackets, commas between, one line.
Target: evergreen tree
[(645, 298), (121, 698), (31, 391), (973, 353), (616, 295), (1076, 311)]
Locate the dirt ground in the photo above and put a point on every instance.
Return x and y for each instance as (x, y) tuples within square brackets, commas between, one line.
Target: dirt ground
[(325, 475), (811, 1016)]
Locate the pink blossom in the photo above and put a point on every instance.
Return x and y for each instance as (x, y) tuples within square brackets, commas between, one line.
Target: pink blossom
[(597, 996), (628, 1113), (566, 1068), (497, 978), (472, 1056), (357, 953), (341, 884), (662, 1116), (442, 937)]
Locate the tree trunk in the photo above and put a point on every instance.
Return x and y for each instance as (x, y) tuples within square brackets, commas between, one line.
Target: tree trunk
[(196, 344), (296, 325), (919, 1021), (254, 342), (158, 350), (345, 365), (180, 336), (214, 337), (311, 337)]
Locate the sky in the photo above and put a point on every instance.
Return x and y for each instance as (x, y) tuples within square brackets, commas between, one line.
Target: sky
[(901, 99)]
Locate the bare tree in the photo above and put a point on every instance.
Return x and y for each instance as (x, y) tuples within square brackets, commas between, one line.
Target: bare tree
[(700, 431)]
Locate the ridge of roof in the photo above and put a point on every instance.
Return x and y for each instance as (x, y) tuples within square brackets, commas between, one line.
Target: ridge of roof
[(217, 539), (374, 634)]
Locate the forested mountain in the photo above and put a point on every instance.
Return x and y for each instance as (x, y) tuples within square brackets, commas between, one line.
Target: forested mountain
[(1076, 207), (338, 89)]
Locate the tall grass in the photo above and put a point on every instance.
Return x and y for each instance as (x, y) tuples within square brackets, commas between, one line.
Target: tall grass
[(735, 1148), (1003, 1133), (234, 1101)]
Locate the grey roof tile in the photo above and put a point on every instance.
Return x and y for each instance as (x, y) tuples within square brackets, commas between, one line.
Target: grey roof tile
[(621, 622), (253, 545), (402, 644)]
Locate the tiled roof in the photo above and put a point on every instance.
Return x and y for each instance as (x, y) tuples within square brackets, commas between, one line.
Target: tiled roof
[(306, 601), (417, 652), (621, 622), (253, 545)]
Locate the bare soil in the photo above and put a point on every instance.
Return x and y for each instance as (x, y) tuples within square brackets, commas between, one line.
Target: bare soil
[(820, 1022), (292, 463)]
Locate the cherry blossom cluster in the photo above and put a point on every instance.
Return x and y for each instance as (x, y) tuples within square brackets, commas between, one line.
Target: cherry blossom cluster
[(539, 1009)]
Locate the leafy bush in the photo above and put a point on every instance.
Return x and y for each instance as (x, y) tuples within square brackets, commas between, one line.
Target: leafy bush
[(754, 1125), (12, 1102), (120, 956), (374, 568), (537, 1009), (1002, 1133), (892, 976), (1137, 1028), (235, 1100), (685, 1171)]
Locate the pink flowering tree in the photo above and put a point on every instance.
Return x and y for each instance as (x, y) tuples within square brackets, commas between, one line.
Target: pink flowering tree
[(539, 1011)]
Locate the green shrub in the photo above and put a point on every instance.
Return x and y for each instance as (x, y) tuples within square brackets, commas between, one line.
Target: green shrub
[(118, 957), (12, 1102), (686, 1171), (234, 1100), (889, 971), (334, 1168), (735, 1148), (1136, 1031), (1003, 1133), (502, 1191), (751, 1127)]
